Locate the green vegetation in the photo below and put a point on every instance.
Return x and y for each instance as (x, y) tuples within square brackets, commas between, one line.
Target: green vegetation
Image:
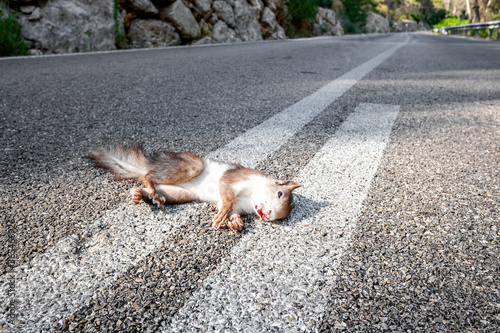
[(300, 16), (449, 22), (415, 17), (11, 41), (120, 36), (429, 13), (303, 9), (325, 3), (355, 13)]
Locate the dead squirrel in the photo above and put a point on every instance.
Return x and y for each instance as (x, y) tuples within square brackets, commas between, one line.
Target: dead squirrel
[(176, 178)]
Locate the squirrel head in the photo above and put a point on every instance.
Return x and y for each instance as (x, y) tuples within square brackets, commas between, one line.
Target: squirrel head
[(275, 200)]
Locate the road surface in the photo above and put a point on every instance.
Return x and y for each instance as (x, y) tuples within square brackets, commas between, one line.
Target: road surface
[(394, 137)]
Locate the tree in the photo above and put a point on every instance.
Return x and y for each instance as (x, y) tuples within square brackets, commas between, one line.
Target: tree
[(476, 11)]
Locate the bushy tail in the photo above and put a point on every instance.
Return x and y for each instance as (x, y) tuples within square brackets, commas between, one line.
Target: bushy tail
[(125, 162)]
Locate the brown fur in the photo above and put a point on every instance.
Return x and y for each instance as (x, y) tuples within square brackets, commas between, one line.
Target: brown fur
[(166, 168), (114, 157)]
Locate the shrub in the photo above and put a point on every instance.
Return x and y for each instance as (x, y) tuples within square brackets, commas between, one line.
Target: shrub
[(11, 41), (120, 36), (350, 27), (355, 13), (449, 22), (302, 9), (324, 3), (415, 17), (299, 17)]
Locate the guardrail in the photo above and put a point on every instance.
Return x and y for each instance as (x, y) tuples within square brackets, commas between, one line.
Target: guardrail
[(491, 25)]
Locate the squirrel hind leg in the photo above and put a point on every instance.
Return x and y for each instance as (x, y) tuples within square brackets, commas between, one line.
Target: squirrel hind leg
[(164, 194), (174, 194), (138, 194)]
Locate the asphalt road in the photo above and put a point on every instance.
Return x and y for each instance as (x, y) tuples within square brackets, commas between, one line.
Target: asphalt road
[(394, 137)]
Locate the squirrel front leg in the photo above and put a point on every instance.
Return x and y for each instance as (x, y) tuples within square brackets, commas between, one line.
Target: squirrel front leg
[(225, 212)]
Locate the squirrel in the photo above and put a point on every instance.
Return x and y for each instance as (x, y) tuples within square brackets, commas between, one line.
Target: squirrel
[(177, 178)]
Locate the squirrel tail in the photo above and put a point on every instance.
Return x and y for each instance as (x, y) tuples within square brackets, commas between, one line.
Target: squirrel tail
[(124, 162)]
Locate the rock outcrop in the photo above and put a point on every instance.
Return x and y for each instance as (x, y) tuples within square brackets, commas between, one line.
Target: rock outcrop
[(247, 26), (62, 26), (152, 33), (182, 19), (141, 7), (376, 24), (409, 26), (221, 33), (59, 26), (270, 27), (326, 23), (224, 12)]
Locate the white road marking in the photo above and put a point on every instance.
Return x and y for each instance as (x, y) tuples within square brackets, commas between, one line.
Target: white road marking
[(279, 276), (267, 137), (55, 284)]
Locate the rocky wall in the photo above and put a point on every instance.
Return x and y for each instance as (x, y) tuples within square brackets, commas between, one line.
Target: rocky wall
[(61, 26)]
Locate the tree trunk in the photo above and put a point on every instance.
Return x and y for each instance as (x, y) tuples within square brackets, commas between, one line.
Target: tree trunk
[(388, 2), (476, 11), (469, 14), (486, 10), (447, 5)]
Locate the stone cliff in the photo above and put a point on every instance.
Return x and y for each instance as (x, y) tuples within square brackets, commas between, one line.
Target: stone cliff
[(61, 26)]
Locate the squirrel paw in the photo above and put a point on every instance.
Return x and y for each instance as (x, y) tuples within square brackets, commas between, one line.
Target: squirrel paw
[(221, 218), (235, 223), (157, 199), (135, 195)]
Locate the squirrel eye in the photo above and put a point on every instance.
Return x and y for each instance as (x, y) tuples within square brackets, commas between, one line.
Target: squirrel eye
[(280, 194)]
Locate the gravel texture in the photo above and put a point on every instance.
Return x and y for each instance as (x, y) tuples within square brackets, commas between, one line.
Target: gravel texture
[(149, 293), (424, 256)]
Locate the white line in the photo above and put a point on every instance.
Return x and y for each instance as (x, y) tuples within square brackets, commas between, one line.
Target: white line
[(267, 137), (54, 284), (278, 277)]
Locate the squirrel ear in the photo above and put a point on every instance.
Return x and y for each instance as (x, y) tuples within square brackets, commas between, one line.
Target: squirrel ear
[(290, 184)]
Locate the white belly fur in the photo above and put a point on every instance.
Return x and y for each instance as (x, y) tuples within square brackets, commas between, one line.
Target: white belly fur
[(205, 187)]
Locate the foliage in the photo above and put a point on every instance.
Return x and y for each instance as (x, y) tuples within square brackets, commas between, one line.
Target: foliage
[(415, 17), (435, 16), (449, 22), (302, 9), (11, 41), (299, 17), (429, 13), (485, 33), (120, 37), (324, 3), (355, 14), (351, 27)]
